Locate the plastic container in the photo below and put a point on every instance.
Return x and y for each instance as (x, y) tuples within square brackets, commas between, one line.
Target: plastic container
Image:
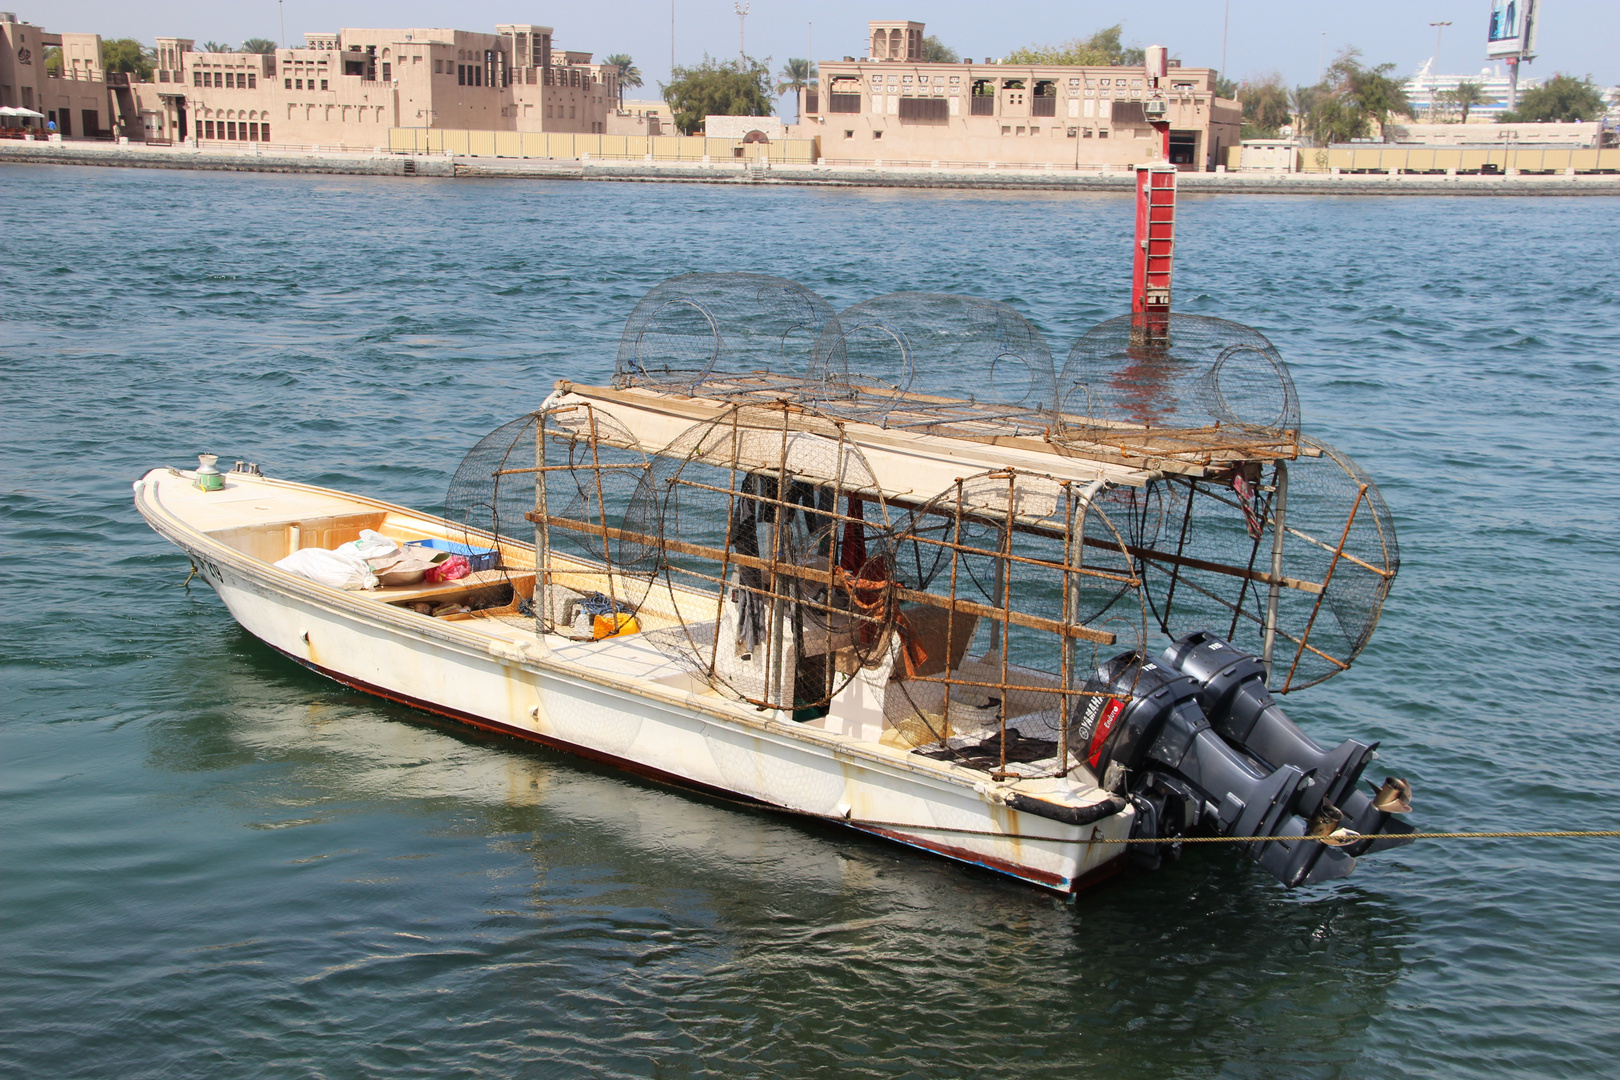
[(477, 558), (604, 626)]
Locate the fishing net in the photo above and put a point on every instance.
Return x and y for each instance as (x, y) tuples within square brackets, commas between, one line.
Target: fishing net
[(591, 467), (1027, 586), (774, 554), (1207, 548), (716, 332), (928, 361), (1208, 384)]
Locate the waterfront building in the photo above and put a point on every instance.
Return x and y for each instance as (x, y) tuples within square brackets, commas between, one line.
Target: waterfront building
[(636, 116), (348, 88), (76, 98), (894, 108)]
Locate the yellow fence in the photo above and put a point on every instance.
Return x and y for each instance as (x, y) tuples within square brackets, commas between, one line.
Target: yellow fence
[(536, 144), (1551, 159)]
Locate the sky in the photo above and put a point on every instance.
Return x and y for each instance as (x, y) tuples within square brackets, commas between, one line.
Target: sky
[(1579, 37)]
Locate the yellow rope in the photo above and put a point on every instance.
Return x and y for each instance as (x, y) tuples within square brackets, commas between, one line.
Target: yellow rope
[(1347, 839)]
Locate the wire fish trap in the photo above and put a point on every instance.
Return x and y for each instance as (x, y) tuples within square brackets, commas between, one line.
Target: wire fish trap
[(1292, 560), (1202, 388), (937, 363), (549, 490), (1021, 586), (774, 555), (722, 333)]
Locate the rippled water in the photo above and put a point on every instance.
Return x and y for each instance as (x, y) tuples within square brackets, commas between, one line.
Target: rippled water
[(213, 862)]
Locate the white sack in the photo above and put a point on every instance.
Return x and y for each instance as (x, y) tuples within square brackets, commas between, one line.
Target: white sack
[(333, 568)]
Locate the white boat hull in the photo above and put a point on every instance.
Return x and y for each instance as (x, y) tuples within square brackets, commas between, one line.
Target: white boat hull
[(646, 721)]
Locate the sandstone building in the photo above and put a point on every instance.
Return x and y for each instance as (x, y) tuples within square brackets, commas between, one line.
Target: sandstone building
[(893, 107)]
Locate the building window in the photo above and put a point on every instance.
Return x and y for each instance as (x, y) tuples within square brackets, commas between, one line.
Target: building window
[(912, 108), (438, 67), (253, 81), (1005, 130), (388, 72), (461, 75), (253, 132), (1086, 134), (877, 134), (848, 134), (196, 78), (301, 84), (264, 132), (548, 112), (323, 84), (1102, 133), (289, 83), (208, 129), (570, 112)]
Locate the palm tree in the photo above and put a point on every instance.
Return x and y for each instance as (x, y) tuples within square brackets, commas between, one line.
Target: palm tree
[(795, 75), (215, 47), (263, 46), (1466, 96), (629, 74)]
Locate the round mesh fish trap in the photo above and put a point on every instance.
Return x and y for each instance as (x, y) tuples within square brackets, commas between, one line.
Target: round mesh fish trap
[(1196, 372), (1027, 586), (1210, 566), (776, 557), (557, 482), (708, 329), (926, 360)]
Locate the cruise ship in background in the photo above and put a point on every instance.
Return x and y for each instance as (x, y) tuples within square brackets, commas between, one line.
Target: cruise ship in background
[(1422, 87)]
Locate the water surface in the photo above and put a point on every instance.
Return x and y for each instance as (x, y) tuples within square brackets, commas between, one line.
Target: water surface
[(213, 862)]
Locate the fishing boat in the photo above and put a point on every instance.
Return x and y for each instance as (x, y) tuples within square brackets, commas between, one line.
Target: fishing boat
[(888, 568)]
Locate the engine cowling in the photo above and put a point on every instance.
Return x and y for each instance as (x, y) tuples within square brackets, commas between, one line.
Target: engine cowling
[(1196, 742)]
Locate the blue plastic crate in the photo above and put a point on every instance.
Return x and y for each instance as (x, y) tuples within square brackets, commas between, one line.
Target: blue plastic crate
[(479, 558)]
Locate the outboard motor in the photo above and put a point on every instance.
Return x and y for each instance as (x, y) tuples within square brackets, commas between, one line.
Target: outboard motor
[(1196, 741), (1154, 744), (1232, 691)]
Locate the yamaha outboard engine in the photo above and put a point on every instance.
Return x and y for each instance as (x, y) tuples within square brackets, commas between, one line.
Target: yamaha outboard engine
[(1234, 696), (1152, 739)]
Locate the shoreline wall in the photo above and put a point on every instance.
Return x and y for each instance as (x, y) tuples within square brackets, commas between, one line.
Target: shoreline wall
[(439, 166)]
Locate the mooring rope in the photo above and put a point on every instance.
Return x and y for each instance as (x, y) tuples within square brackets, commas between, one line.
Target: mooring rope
[(1342, 837)]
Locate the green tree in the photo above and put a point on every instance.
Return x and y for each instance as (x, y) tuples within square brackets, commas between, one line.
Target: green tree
[(795, 75), (128, 55), (1102, 49), (1352, 97), (1561, 98), (717, 88), (629, 74), (1465, 97), (262, 46), (935, 51), (1226, 88), (216, 47), (1265, 106), (53, 61)]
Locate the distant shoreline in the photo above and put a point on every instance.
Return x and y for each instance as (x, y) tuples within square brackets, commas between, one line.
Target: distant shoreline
[(1002, 179)]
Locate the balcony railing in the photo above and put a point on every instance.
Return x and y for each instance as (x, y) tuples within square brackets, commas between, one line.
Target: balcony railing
[(1043, 106), (984, 105)]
